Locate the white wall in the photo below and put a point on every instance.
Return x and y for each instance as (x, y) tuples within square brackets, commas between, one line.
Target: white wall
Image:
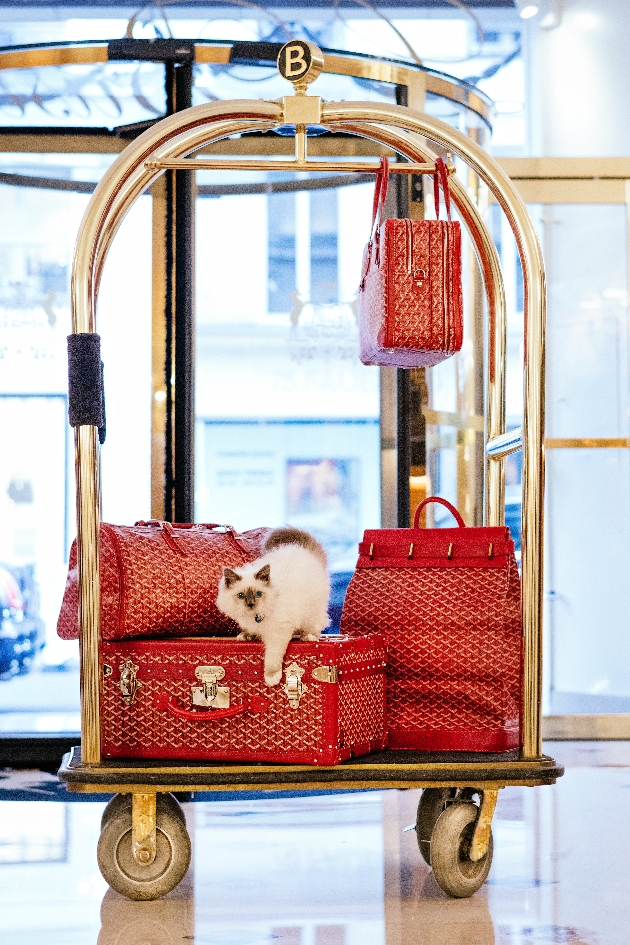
[(580, 85)]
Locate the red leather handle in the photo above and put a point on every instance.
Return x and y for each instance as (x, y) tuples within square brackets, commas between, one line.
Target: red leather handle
[(436, 498), (440, 179), (170, 537), (253, 704), (380, 193)]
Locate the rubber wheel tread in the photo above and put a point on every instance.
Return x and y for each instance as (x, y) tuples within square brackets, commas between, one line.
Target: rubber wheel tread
[(455, 874), (118, 866)]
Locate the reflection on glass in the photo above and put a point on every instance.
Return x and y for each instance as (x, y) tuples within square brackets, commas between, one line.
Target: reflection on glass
[(287, 417), (39, 685), (588, 494)]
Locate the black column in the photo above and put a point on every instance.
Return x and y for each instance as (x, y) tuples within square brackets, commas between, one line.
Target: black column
[(179, 366), (403, 387)]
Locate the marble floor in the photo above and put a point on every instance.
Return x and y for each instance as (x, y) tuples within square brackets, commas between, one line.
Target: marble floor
[(333, 869)]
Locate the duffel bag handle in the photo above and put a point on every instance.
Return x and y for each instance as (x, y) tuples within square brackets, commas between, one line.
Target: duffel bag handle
[(168, 530), (253, 704), (436, 498)]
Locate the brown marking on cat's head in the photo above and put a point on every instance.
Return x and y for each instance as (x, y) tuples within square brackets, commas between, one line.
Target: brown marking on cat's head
[(253, 597), (230, 577)]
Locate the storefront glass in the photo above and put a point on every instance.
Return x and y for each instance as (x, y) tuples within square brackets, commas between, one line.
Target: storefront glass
[(39, 679), (287, 417)]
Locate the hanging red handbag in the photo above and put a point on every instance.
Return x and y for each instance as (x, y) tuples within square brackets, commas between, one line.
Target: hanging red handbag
[(410, 295), (447, 603), (159, 579)]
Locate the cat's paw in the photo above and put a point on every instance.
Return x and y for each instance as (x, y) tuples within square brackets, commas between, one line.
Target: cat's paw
[(246, 635), (272, 679), (311, 637)]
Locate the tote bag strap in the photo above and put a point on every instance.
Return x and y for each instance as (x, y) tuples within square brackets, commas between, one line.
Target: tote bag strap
[(380, 193), (440, 180), (436, 498)]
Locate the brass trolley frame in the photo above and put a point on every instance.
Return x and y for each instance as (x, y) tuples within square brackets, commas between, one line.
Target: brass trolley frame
[(169, 144)]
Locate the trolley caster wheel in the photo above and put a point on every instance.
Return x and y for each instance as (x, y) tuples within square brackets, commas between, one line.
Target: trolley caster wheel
[(123, 802), (432, 803), (119, 866), (455, 873)]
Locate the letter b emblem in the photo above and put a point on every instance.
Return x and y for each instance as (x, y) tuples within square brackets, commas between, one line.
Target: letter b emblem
[(294, 60)]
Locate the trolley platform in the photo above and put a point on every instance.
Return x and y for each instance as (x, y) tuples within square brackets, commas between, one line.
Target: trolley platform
[(379, 771)]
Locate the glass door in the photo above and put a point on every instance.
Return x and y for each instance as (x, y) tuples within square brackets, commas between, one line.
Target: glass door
[(583, 226), (39, 673), (287, 418)]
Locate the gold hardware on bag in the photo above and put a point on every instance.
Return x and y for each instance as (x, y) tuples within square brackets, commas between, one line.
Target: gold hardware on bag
[(450, 552), (410, 555), (293, 686), (490, 550), (129, 682), (371, 555), (326, 674), (107, 670), (210, 694)]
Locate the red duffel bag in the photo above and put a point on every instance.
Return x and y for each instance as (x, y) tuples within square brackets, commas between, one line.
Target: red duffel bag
[(159, 579), (447, 602)]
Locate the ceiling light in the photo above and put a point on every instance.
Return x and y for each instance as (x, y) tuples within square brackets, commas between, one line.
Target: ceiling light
[(528, 11)]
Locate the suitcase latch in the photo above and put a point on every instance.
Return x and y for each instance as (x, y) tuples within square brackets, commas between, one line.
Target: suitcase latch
[(293, 686), (326, 674), (210, 694), (129, 682)]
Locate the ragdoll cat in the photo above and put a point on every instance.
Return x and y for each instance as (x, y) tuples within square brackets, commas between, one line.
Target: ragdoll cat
[(279, 597)]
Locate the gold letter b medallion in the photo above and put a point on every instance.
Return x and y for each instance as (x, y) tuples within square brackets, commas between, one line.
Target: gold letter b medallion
[(300, 62)]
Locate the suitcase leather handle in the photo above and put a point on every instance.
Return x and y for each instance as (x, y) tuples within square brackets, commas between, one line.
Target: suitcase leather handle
[(436, 498), (253, 704)]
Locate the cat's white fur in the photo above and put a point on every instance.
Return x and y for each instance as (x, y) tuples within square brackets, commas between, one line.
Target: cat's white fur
[(292, 601)]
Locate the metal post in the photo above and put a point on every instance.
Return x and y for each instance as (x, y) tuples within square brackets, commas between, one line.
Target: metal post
[(179, 362), (403, 385)]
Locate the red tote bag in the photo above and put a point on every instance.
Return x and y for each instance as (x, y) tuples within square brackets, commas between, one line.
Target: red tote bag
[(159, 579), (410, 296), (447, 602)]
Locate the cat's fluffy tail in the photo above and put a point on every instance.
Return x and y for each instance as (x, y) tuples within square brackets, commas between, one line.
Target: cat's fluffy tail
[(295, 536)]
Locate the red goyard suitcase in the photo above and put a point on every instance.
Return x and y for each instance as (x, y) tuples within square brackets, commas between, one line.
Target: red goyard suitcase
[(206, 699), (410, 296), (159, 579), (447, 602)]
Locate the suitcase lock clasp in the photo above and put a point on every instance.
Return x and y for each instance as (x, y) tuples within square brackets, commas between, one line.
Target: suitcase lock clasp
[(293, 686), (129, 682), (210, 694)]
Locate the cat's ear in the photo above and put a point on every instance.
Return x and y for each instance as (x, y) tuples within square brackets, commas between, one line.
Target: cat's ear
[(230, 577), (263, 574)]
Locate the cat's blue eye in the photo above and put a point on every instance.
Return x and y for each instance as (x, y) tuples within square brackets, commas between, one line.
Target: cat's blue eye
[(258, 593), (241, 596)]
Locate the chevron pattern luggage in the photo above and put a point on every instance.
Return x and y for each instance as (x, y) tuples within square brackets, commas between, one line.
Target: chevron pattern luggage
[(206, 699), (447, 602), (410, 295), (159, 579)]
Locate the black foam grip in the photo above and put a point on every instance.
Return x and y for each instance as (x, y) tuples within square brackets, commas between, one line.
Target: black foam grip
[(102, 430), (85, 381)]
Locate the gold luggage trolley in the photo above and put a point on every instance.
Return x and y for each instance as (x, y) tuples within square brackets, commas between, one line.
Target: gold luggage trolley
[(144, 849)]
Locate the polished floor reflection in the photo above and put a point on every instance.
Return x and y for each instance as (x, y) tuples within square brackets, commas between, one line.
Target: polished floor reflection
[(334, 869)]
